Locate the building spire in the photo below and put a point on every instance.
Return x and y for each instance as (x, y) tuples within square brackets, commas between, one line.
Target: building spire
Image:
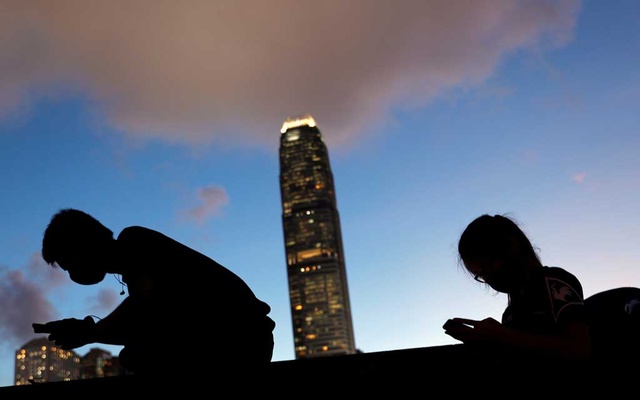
[(298, 121)]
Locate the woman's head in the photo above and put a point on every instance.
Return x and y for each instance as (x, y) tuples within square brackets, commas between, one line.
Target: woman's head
[(496, 251)]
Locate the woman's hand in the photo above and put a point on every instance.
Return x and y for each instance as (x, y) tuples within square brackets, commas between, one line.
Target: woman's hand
[(474, 331)]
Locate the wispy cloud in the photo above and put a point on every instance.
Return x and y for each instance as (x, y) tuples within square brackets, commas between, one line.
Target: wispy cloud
[(194, 71), (105, 301), (211, 200), (44, 274), (579, 178)]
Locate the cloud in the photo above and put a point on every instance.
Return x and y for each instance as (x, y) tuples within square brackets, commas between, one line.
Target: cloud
[(44, 274), (24, 298), (105, 301), (579, 178), (212, 199), (23, 302), (229, 71)]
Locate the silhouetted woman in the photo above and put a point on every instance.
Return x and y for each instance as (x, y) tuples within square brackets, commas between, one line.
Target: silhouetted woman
[(545, 316)]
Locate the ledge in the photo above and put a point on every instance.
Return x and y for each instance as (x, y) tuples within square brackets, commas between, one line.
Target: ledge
[(411, 371)]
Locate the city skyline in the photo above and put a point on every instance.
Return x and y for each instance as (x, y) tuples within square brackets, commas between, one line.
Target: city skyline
[(41, 361), (37, 361), (433, 112)]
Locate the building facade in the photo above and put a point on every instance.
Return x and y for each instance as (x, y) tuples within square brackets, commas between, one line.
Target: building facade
[(318, 289), (99, 363), (40, 361)]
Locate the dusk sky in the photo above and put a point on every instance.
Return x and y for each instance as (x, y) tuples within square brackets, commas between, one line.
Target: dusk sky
[(168, 115)]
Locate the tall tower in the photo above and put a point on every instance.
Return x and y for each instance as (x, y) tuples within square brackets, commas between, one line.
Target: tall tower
[(318, 290)]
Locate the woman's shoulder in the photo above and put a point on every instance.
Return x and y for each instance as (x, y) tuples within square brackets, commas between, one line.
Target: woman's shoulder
[(558, 272), (557, 276)]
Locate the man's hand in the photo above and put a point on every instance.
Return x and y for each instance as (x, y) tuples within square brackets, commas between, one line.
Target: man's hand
[(68, 333)]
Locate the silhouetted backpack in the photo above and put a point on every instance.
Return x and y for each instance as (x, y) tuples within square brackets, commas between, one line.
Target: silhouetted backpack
[(614, 318)]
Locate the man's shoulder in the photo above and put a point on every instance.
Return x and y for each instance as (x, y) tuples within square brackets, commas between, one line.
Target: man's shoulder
[(136, 232)]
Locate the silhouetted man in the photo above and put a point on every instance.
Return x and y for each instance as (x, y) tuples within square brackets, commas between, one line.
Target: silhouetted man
[(184, 314)]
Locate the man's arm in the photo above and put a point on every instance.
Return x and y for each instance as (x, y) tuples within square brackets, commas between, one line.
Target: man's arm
[(68, 333), (71, 333), (115, 327)]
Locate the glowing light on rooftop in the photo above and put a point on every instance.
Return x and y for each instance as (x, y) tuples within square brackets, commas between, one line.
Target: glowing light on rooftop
[(306, 120)]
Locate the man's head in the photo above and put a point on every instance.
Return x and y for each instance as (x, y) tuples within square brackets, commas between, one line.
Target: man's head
[(79, 244)]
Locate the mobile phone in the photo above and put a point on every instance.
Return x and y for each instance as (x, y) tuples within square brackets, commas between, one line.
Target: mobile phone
[(451, 324), (39, 328)]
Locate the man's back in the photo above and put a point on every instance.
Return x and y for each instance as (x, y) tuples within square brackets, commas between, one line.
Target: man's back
[(178, 271), (189, 302)]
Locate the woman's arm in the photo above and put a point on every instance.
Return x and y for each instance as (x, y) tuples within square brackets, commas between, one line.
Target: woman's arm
[(572, 342)]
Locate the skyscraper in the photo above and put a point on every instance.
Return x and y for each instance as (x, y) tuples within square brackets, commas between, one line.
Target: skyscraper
[(318, 290)]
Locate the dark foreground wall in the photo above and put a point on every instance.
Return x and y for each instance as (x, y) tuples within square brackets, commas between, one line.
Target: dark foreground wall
[(422, 372)]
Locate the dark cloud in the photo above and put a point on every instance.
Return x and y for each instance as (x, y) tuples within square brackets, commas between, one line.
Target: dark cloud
[(24, 298), (232, 71), (23, 302)]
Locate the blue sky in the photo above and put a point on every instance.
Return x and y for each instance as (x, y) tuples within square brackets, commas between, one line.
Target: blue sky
[(434, 113)]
